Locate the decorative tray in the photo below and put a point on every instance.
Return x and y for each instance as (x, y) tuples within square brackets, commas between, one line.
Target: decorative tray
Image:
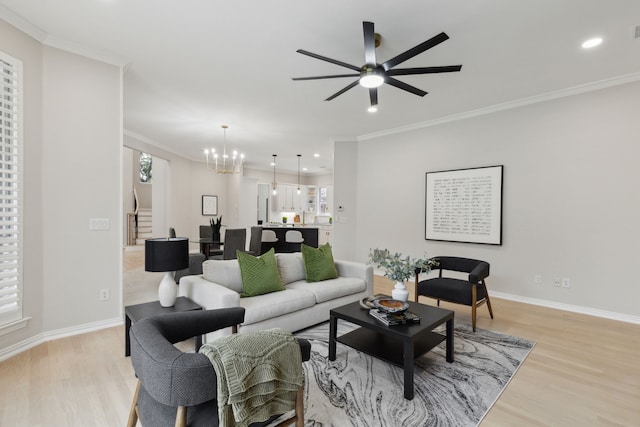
[(389, 305)]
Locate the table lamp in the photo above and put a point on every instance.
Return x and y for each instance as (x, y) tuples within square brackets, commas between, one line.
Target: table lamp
[(166, 255)]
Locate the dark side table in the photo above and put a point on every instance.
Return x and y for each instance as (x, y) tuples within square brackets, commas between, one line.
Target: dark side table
[(133, 313)]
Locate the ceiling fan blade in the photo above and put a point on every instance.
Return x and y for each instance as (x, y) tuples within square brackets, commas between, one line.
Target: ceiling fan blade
[(373, 95), (333, 61), (335, 76), (369, 44), (434, 41), (424, 70), (341, 91), (402, 85)]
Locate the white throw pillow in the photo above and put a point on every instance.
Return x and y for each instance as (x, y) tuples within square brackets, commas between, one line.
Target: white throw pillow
[(223, 272), (290, 267)]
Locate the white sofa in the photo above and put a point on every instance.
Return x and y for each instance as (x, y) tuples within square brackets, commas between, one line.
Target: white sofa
[(299, 306)]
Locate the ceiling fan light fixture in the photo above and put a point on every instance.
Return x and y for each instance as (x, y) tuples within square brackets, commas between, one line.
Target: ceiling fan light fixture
[(370, 78)]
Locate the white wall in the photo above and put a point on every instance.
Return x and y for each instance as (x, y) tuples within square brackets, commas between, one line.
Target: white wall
[(345, 194), (571, 199), (81, 164)]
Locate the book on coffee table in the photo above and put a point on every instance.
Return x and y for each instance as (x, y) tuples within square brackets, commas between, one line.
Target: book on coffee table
[(392, 319)]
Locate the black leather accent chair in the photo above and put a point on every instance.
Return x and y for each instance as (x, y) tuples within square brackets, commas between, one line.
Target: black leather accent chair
[(472, 291), (179, 389)]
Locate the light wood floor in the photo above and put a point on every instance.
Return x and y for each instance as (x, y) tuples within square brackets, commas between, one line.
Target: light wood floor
[(583, 371)]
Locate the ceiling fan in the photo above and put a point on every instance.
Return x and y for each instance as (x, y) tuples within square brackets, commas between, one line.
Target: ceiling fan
[(372, 75)]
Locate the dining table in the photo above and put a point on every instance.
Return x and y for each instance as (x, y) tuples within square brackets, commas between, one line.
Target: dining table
[(209, 246)]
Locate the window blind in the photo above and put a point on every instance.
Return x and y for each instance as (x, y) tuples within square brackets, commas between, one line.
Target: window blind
[(10, 189)]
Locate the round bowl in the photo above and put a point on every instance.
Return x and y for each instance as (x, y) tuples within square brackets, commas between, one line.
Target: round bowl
[(389, 305)]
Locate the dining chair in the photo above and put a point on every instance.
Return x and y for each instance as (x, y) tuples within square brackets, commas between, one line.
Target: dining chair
[(255, 241), (235, 239)]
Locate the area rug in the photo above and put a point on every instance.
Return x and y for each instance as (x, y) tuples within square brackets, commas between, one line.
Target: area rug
[(361, 391)]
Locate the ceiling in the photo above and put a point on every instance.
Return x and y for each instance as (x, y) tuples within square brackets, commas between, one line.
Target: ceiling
[(194, 65)]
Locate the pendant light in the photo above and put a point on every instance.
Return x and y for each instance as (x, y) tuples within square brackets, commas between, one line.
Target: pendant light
[(299, 155), (275, 185)]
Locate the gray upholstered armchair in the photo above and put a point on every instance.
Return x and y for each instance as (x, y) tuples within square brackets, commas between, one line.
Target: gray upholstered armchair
[(472, 291), (176, 388)]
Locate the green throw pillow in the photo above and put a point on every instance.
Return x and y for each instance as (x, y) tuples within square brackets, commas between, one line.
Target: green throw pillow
[(259, 274), (318, 263)]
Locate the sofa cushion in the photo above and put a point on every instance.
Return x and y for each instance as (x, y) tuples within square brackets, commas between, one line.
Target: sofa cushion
[(225, 273), (331, 289), (318, 263), (259, 274), (275, 304), (290, 267)]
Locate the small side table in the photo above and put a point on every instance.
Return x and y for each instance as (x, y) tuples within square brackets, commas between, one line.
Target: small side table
[(133, 313)]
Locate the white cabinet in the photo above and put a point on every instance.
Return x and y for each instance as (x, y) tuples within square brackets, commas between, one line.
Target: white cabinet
[(325, 235), (288, 199), (311, 199)]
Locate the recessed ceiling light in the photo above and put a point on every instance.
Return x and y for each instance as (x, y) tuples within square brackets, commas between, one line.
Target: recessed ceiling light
[(372, 109), (588, 44), (304, 169), (316, 155)]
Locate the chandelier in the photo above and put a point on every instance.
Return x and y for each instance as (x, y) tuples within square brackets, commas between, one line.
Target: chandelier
[(226, 163)]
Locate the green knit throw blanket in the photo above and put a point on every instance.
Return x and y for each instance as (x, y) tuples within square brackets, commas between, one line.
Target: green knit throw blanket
[(258, 375)]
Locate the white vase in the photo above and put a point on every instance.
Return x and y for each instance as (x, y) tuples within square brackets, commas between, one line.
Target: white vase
[(400, 292), (168, 290)]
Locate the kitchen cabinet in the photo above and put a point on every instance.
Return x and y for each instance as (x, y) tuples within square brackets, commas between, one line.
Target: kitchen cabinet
[(288, 199), (325, 235), (311, 199)]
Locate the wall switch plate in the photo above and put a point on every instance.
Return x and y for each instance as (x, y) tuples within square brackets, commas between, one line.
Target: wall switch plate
[(566, 283), (537, 279), (99, 224)]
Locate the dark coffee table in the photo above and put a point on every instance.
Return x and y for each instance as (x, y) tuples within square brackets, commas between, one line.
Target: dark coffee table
[(399, 344)]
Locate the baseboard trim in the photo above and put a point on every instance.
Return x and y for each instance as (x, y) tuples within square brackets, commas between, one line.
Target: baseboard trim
[(31, 342), (612, 315)]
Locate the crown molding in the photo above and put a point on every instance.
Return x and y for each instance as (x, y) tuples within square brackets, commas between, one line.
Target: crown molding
[(48, 40), (22, 24), (574, 90), (82, 50)]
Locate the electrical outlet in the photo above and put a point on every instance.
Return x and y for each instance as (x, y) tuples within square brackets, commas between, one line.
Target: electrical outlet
[(104, 294), (566, 283), (537, 279), (556, 282)]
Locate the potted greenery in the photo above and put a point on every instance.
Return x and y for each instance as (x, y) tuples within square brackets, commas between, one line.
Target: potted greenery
[(216, 224), (399, 268)]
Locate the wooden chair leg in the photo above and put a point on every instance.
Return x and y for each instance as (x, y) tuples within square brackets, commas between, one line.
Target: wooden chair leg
[(181, 416), (486, 292), (298, 415), (300, 407), (133, 412)]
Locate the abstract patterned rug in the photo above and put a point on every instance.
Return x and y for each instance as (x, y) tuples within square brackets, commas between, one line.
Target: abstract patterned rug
[(361, 391)]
